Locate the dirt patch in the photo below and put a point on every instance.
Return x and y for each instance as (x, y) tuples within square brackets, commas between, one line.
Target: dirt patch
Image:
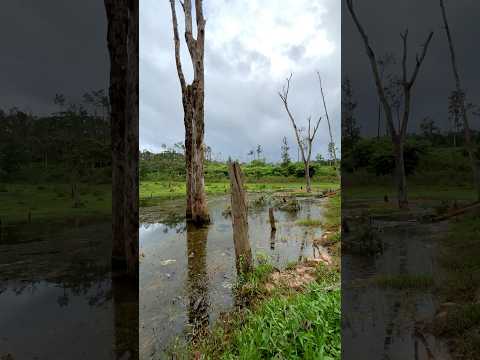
[(298, 277)]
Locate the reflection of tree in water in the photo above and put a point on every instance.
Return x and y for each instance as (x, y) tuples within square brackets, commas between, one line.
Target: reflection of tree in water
[(172, 221), (198, 317), (126, 315)]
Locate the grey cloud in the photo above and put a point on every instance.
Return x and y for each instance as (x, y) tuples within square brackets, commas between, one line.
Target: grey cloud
[(51, 47), (295, 52), (241, 111)]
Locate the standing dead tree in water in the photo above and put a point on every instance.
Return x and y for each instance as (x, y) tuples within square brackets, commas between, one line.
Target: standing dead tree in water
[(334, 151), (470, 145), (122, 40), (398, 135), (243, 252), (306, 151), (193, 96)]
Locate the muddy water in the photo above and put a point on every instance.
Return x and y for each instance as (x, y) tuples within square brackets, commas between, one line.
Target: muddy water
[(58, 299), (388, 320), (187, 274)]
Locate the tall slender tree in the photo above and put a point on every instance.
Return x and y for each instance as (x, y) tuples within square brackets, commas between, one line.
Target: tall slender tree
[(284, 154), (460, 93), (305, 144), (397, 135), (331, 145), (193, 96)]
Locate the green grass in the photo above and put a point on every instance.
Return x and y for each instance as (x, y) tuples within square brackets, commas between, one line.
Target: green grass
[(173, 189), (285, 325), (415, 192), (333, 213), (460, 259), (52, 202), (305, 326), (309, 222), (402, 282)]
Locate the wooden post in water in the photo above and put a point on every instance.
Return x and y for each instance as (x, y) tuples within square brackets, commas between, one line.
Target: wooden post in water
[(272, 219), (243, 252)]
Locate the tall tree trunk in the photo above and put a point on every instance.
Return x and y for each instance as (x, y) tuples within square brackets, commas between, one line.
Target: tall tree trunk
[(117, 14), (471, 147), (193, 104), (307, 176), (400, 176), (188, 123), (200, 210), (131, 145)]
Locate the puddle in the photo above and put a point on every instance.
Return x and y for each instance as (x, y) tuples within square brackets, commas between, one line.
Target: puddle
[(61, 298), (187, 274), (388, 320)]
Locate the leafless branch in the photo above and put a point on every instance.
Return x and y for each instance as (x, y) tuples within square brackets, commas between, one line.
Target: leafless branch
[(176, 40)]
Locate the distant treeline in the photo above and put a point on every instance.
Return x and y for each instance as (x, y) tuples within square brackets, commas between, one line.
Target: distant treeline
[(73, 142), (170, 165), (430, 153)]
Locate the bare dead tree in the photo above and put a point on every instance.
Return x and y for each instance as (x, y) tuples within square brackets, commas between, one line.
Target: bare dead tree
[(122, 38), (117, 14), (328, 121), (397, 135), (475, 163), (305, 151), (131, 143), (193, 96)]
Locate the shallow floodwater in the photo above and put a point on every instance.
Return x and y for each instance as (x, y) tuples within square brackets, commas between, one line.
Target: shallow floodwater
[(58, 298), (390, 320), (187, 274)]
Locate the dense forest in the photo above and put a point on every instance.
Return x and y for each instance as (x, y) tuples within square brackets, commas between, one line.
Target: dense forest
[(73, 142)]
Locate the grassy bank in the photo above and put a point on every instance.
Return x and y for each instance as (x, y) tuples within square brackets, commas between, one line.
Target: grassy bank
[(415, 192), (163, 189), (284, 324), (21, 202), (459, 322)]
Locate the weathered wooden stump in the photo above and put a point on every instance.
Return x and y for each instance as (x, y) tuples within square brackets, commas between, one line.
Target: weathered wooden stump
[(272, 219), (243, 252)]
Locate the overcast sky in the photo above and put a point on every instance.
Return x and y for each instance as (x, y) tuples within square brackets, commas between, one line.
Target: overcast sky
[(51, 47), (251, 47), (383, 22)]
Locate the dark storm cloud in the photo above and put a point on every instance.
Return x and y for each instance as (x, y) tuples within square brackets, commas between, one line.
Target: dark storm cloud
[(51, 47), (383, 22)]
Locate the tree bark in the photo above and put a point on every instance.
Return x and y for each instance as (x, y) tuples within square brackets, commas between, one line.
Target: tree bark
[(117, 14), (243, 252), (271, 216), (401, 179), (475, 163), (188, 123), (131, 145), (307, 176), (193, 97)]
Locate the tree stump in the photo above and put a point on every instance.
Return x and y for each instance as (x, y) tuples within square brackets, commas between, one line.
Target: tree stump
[(243, 252), (272, 219)]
